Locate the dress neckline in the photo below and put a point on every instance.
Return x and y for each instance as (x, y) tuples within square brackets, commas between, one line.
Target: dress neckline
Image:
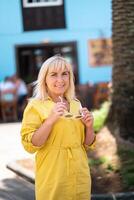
[(69, 103)]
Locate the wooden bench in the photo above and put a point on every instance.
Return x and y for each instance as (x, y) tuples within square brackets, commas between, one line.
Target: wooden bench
[(8, 103)]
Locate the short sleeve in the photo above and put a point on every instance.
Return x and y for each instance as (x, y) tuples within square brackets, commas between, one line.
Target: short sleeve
[(30, 123)]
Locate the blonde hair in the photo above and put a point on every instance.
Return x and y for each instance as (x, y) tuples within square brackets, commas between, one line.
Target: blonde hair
[(53, 63)]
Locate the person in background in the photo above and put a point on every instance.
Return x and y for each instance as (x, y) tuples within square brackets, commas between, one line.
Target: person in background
[(8, 100), (7, 89), (21, 92), (60, 131)]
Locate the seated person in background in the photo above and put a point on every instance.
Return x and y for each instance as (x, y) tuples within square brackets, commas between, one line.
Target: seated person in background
[(21, 92), (8, 100), (7, 90)]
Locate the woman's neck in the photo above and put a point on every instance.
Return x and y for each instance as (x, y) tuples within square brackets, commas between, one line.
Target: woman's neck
[(57, 98), (60, 98)]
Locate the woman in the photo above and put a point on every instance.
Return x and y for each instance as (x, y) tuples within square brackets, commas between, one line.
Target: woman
[(52, 128)]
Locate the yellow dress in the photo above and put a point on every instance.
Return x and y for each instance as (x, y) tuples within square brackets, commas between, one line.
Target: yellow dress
[(62, 171)]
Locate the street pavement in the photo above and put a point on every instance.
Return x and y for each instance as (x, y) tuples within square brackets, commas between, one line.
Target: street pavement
[(11, 186)]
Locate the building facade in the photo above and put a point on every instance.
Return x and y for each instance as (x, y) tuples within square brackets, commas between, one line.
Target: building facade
[(67, 24)]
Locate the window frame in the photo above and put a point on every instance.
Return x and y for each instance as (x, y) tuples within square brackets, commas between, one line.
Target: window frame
[(27, 4)]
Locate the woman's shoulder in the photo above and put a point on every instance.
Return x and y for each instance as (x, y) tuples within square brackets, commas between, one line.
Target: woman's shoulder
[(38, 104), (33, 103)]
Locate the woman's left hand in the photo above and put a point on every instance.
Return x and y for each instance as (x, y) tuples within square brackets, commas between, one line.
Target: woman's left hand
[(87, 118)]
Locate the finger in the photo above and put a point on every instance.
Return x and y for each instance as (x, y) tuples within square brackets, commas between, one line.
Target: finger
[(59, 112), (60, 109), (85, 109), (86, 114), (90, 117), (87, 117), (61, 106), (88, 120), (60, 103), (89, 114)]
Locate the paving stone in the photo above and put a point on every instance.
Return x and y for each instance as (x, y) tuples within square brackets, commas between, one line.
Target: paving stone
[(125, 196), (16, 189), (102, 197)]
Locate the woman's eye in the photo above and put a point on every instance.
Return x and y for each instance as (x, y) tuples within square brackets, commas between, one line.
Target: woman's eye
[(54, 74), (65, 74)]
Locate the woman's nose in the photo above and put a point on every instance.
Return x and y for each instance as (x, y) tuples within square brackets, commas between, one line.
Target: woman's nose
[(60, 78)]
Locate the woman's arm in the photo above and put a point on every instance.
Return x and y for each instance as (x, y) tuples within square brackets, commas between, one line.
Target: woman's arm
[(89, 136), (41, 135), (87, 119)]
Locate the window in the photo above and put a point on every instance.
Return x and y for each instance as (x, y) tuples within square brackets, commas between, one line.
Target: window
[(41, 3), (43, 14), (30, 57)]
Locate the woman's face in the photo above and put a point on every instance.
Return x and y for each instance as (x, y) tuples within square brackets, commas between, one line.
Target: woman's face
[(57, 82)]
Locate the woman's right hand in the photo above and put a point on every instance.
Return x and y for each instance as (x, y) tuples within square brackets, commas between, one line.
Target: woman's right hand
[(57, 111)]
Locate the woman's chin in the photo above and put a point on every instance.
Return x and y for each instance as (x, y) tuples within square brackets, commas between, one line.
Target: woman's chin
[(60, 94)]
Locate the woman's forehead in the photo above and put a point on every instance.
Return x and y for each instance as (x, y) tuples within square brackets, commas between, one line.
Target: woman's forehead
[(58, 69)]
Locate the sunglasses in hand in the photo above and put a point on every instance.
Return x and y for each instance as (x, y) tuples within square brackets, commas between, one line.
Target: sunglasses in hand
[(70, 115)]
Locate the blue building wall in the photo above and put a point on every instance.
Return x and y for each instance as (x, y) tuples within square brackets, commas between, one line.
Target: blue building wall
[(84, 19)]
